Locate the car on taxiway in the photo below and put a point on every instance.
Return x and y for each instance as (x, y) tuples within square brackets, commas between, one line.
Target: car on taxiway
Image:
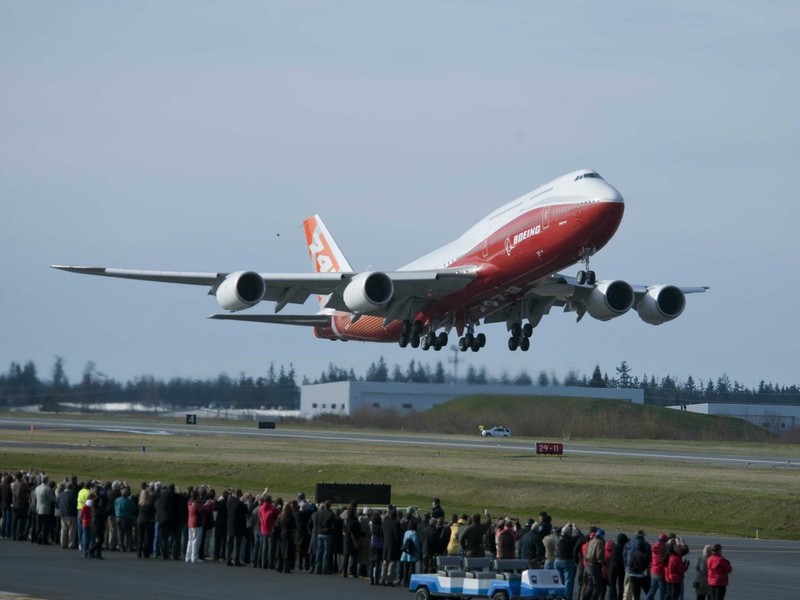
[(496, 432)]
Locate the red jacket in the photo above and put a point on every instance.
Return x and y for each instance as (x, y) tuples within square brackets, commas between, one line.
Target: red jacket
[(674, 569), (195, 518), (268, 514), (656, 566), (718, 569), (86, 516)]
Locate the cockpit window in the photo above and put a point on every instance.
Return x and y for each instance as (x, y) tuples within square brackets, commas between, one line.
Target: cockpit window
[(588, 176)]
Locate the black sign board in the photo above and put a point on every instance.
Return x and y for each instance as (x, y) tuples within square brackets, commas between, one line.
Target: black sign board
[(191, 419), (266, 424)]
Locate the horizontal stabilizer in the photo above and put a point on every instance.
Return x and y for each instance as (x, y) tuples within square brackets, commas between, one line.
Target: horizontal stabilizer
[(305, 320)]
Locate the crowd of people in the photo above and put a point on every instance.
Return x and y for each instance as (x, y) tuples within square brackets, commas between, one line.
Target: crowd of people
[(384, 545)]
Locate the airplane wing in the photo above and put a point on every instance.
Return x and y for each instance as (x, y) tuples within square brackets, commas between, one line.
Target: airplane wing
[(411, 288), (319, 320), (656, 304)]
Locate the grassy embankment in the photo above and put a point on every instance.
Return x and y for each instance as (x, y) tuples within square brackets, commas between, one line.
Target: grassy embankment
[(617, 492)]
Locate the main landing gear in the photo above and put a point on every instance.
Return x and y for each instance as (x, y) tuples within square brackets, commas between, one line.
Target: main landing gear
[(520, 337), (411, 333), (470, 341), (585, 275)]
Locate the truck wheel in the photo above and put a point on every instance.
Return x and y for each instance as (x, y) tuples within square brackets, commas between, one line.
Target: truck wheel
[(500, 595), (422, 594)]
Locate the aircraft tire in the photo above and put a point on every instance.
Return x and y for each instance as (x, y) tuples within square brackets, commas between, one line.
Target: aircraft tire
[(462, 344), (481, 339), (513, 343), (403, 340), (581, 277), (591, 277), (475, 346), (469, 339), (405, 328), (415, 340), (527, 330), (424, 343), (516, 330), (441, 339), (525, 344)]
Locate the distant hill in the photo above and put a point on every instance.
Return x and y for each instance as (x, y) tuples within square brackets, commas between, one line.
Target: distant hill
[(566, 418)]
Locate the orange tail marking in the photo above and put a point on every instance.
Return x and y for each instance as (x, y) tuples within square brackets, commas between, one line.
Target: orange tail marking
[(320, 249)]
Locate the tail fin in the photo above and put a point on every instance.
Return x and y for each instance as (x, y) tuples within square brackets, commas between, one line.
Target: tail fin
[(326, 257)]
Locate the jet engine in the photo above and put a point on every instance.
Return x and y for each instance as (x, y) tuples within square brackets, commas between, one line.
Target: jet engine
[(610, 299), (368, 291), (240, 290), (660, 304)]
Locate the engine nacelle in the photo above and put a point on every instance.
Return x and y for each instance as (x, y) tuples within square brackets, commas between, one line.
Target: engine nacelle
[(368, 291), (240, 290), (610, 299), (660, 304)]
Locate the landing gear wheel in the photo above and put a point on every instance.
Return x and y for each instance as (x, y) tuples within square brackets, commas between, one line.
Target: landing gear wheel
[(462, 344), (469, 338), (516, 330), (524, 344), (403, 340), (405, 328), (581, 277), (527, 330), (441, 340), (415, 340), (475, 346), (424, 342), (418, 327), (481, 339), (591, 278), (513, 343)]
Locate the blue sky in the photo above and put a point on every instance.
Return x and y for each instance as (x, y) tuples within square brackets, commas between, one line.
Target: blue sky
[(198, 136)]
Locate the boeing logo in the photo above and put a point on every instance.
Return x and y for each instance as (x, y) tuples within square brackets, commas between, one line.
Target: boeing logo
[(520, 237)]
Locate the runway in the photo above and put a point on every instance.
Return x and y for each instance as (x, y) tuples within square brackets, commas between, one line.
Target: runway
[(761, 569), (423, 439)]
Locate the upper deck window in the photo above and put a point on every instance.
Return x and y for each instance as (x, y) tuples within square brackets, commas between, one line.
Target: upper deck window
[(588, 176)]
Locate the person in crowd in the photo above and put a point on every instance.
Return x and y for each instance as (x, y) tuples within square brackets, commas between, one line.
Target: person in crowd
[(375, 548), (437, 512), (124, 510), (6, 503), (719, 568), (473, 538), (68, 508), (351, 532), (208, 497), (286, 548), (87, 518), (145, 523), (675, 567), (456, 524), (324, 521), (657, 584), (112, 491), (637, 558), (505, 540), (595, 557), (701, 588), (267, 514), (237, 525), (410, 552), (220, 525), (45, 505), (431, 548), (565, 556), (303, 514), (195, 525), (20, 496), (550, 548), (392, 539), (616, 566)]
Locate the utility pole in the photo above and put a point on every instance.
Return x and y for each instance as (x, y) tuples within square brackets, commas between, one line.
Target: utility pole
[(454, 361)]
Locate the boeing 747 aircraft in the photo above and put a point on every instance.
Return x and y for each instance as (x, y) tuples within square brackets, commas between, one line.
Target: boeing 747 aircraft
[(504, 269)]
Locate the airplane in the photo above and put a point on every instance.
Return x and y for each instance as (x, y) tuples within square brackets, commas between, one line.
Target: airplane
[(505, 268)]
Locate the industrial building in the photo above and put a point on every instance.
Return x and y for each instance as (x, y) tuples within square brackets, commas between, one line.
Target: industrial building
[(344, 397), (777, 418)]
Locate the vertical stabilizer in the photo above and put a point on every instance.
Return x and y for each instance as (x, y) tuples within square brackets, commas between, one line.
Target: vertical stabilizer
[(325, 255)]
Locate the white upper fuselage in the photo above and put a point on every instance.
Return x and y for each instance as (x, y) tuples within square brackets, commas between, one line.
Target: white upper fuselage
[(578, 186)]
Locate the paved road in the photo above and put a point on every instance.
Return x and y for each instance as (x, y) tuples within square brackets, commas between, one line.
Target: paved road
[(165, 429), (761, 569)]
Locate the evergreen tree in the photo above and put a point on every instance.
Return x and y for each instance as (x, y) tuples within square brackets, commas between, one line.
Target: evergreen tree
[(597, 379), (624, 375)]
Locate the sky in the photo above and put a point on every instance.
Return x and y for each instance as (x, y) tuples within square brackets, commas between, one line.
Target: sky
[(197, 136)]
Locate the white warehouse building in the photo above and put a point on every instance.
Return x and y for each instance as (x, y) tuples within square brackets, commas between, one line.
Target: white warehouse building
[(777, 418), (344, 397)]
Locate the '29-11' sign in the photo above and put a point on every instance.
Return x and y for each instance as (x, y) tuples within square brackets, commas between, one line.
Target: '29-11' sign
[(550, 449)]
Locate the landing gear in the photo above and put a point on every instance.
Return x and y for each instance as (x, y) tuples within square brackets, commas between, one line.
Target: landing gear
[(586, 276), (520, 336), (470, 341)]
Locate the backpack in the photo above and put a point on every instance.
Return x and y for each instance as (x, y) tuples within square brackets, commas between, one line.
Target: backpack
[(376, 542), (638, 562), (409, 547)]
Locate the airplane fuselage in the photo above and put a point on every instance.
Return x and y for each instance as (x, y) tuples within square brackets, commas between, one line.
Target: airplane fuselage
[(513, 248)]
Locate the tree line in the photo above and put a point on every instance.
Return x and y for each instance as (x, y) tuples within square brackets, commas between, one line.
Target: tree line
[(277, 388)]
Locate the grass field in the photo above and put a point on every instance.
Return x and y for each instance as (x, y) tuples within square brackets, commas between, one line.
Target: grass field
[(617, 493)]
